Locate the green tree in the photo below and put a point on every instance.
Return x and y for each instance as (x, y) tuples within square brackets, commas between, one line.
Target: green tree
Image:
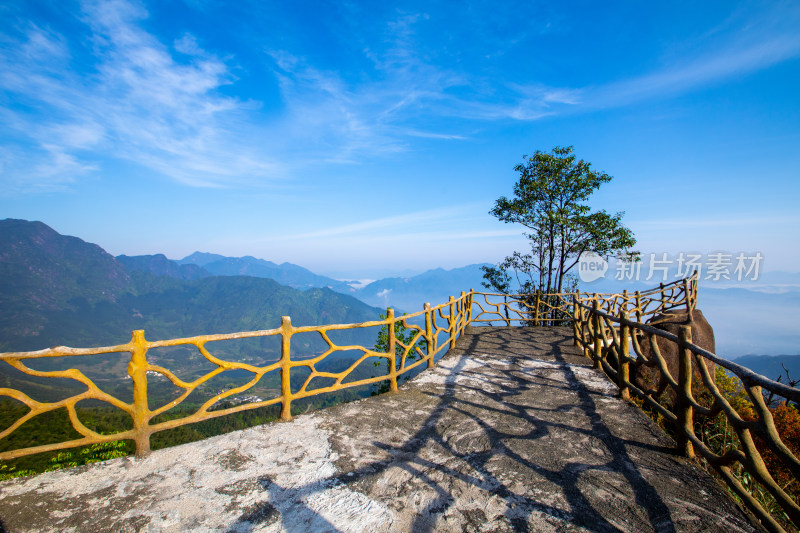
[(403, 335), (550, 200)]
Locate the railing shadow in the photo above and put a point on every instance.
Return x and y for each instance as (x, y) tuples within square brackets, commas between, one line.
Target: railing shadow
[(471, 402)]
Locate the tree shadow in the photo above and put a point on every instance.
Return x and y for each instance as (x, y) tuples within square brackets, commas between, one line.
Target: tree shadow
[(479, 405)]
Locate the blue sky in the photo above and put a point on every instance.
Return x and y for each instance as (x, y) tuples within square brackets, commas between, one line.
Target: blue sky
[(360, 139)]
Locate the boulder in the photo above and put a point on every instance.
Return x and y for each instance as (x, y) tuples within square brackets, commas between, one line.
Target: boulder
[(648, 377)]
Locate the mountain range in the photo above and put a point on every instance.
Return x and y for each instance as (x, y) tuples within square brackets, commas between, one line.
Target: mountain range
[(405, 294), (773, 366), (56, 289), (60, 290), (285, 273)]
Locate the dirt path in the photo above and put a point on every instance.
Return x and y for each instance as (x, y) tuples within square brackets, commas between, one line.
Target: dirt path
[(512, 431)]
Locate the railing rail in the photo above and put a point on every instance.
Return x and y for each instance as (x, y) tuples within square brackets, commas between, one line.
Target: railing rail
[(526, 309), (450, 318)]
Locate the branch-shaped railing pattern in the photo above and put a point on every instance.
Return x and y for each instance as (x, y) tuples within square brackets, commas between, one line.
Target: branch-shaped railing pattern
[(536, 309), (644, 305), (610, 332), (609, 328), (450, 318)]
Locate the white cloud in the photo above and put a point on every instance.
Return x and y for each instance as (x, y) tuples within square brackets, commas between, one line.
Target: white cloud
[(747, 42), (398, 223), (165, 106), (139, 104)]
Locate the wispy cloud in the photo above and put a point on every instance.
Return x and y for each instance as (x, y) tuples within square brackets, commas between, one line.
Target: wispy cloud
[(411, 86), (167, 105), (140, 102), (340, 122), (697, 73), (378, 110), (747, 42), (743, 221), (398, 223)]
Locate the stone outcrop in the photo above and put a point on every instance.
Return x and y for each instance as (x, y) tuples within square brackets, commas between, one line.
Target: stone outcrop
[(648, 377)]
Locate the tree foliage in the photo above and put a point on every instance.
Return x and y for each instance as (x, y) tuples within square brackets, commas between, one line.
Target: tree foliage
[(550, 201), (403, 335)]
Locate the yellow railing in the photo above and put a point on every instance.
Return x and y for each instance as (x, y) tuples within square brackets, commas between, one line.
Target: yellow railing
[(449, 318), (525, 309), (605, 326), (608, 327)]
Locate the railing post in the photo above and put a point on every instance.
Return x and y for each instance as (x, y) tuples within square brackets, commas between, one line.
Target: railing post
[(586, 331), (469, 309), (392, 351), (463, 314), (575, 326), (137, 370), (598, 354), (538, 302), (638, 306), (452, 320), (684, 394), (286, 368), (429, 334), (623, 372), (688, 296)]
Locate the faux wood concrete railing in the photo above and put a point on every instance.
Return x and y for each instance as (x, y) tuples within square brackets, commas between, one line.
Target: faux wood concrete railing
[(602, 324), (610, 326), (449, 318)]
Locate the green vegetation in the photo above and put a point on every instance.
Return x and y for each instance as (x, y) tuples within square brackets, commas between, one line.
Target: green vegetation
[(550, 201), (54, 427), (720, 437), (405, 336), (92, 454)]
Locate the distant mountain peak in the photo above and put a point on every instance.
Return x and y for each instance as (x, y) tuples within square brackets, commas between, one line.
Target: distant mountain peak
[(39, 264), (286, 273), (200, 258), (159, 265)]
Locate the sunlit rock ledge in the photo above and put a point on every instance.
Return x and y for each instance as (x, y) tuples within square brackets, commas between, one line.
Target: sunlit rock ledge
[(512, 431)]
